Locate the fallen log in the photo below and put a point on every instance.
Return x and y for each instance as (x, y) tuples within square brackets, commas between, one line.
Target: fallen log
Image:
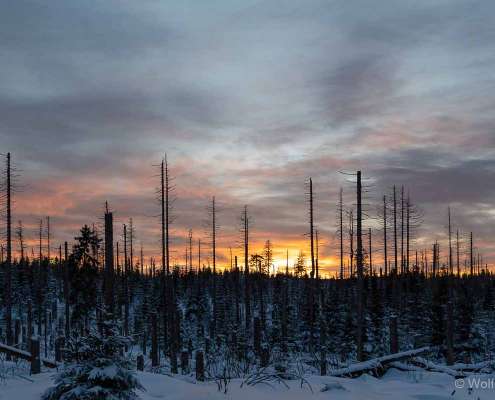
[(483, 366), (25, 355), (456, 370), (401, 366), (430, 366), (376, 366)]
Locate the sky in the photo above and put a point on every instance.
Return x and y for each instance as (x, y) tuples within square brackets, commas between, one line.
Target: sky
[(249, 99)]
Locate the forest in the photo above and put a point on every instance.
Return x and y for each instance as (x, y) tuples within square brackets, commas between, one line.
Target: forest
[(407, 308)]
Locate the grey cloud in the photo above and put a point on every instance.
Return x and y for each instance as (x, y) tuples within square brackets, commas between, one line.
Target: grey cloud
[(57, 26)]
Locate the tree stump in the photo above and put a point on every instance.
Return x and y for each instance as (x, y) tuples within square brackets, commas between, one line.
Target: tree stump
[(140, 362), (323, 361), (394, 337), (59, 346), (154, 342), (257, 335), (264, 357), (35, 356), (200, 366), (184, 362), (17, 331)]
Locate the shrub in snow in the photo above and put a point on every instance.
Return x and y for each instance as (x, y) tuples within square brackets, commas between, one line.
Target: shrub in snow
[(95, 369)]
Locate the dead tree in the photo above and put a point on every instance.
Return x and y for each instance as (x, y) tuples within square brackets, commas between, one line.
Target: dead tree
[(142, 260), (66, 291), (20, 237), (165, 246), (360, 275), (287, 262), (402, 259), (169, 311), (214, 260), (385, 248), (199, 255), (408, 231), (131, 245), (451, 266), (41, 241), (311, 228), (457, 255), (313, 264), (109, 275), (126, 285), (436, 258), (395, 234), (351, 243), (8, 271), (190, 250), (213, 235), (369, 253), (341, 231), (48, 238), (471, 262), (317, 254), (247, 300)]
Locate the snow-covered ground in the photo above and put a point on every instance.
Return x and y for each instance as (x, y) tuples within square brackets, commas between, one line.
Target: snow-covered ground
[(395, 385)]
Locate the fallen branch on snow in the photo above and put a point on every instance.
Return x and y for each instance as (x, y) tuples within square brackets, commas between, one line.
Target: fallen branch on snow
[(376, 365)]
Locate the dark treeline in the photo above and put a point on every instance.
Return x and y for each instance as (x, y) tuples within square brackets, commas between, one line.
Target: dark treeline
[(254, 318)]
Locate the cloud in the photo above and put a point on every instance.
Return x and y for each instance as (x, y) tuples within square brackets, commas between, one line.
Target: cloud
[(248, 99)]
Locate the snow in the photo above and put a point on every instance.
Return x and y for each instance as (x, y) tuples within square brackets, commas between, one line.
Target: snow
[(394, 385)]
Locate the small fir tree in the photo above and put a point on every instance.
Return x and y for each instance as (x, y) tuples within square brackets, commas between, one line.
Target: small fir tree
[(95, 369)]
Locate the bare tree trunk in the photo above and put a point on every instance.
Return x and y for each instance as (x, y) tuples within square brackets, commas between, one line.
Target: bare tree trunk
[(402, 230), (451, 266), (48, 237), (126, 285), (60, 271), (287, 262), (317, 255), (214, 259), (41, 241), (396, 264), (471, 253), (416, 265), (408, 231), (190, 250), (311, 228), (341, 224), (351, 244), (66, 291), (164, 191), (369, 251), (457, 250), (142, 261), (131, 245), (199, 255), (359, 266), (108, 261), (247, 300), (8, 277), (20, 236), (385, 248)]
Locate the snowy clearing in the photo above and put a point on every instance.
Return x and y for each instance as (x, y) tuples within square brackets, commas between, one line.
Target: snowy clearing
[(396, 385)]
